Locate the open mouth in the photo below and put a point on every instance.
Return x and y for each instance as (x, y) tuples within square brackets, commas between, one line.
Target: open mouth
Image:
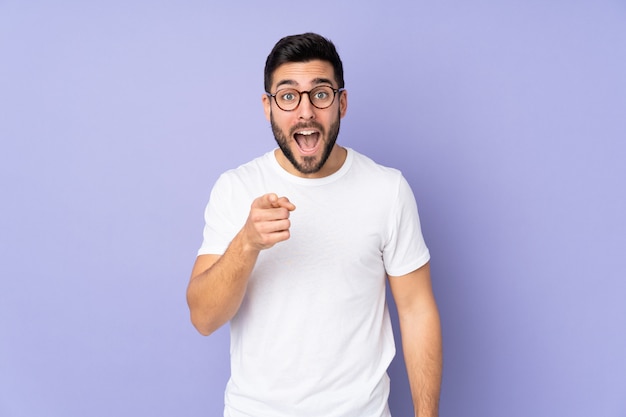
[(308, 140)]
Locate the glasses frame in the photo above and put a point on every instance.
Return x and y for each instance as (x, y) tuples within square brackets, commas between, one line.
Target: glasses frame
[(301, 93)]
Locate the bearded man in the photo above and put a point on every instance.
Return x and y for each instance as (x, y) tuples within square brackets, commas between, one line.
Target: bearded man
[(298, 246)]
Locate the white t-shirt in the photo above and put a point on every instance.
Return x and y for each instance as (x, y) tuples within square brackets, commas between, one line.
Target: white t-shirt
[(313, 335)]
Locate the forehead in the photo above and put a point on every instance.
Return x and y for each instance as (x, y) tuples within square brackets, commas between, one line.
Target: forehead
[(303, 74)]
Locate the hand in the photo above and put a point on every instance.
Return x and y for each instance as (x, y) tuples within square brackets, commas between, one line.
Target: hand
[(268, 222)]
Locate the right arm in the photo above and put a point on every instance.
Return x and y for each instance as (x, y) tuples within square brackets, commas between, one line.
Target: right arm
[(218, 283)]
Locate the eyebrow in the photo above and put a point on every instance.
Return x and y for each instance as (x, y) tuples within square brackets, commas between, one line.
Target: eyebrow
[(316, 81)]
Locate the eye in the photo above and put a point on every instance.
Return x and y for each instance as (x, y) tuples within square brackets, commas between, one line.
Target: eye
[(321, 94), (288, 96)]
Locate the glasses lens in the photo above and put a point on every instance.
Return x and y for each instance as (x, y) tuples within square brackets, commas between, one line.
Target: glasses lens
[(287, 99), (322, 97)]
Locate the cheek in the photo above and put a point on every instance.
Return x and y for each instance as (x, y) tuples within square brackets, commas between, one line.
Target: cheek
[(282, 121), (279, 125)]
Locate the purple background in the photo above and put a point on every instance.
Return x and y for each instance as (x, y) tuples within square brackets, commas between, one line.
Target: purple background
[(116, 117)]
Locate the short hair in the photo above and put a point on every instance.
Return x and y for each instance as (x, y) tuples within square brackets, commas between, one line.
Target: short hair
[(303, 48)]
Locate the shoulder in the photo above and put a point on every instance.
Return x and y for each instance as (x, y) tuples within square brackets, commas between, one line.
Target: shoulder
[(251, 168), (246, 173), (237, 183), (366, 168), (385, 183)]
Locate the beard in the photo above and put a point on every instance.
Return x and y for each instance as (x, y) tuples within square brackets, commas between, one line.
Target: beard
[(309, 164)]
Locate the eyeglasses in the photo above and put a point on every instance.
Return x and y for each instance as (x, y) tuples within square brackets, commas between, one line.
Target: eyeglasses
[(288, 99)]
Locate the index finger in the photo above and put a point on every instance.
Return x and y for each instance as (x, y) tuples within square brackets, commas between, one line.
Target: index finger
[(271, 200), (284, 203)]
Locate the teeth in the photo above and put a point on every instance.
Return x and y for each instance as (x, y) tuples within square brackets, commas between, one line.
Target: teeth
[(306, 132)]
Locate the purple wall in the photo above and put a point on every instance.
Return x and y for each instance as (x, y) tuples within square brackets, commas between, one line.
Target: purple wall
[(509, 121)]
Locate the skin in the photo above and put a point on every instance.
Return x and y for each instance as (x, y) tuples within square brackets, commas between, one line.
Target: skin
[(421, 338), (218, 283)]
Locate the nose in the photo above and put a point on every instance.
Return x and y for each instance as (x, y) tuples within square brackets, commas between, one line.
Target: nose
[(306, 110)]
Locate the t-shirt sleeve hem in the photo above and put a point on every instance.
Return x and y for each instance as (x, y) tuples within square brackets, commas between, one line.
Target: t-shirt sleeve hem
[(408, 268)]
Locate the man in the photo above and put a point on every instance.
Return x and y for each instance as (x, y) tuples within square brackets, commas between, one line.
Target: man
[(297, 247)]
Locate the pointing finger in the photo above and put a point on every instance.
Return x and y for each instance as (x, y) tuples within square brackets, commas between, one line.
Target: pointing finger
[(265, 201), (285, 203), (271, 200)]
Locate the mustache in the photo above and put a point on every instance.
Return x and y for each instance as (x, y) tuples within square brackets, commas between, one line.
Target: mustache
[(308, 125)]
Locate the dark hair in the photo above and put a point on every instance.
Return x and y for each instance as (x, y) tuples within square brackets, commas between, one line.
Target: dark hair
[(303, 48)]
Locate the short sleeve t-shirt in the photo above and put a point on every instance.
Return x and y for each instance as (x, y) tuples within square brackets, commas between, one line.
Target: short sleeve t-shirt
[(313, 335)]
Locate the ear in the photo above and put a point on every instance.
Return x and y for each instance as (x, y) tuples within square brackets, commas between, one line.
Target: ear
[(267, 106), (343, 103)]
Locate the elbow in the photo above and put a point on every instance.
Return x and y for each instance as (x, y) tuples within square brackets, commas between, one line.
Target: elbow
[(204, 326), (200, 318), (206, 318), (203, 331)]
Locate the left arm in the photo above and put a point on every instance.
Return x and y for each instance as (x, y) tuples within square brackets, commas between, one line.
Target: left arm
[(421, 338)]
